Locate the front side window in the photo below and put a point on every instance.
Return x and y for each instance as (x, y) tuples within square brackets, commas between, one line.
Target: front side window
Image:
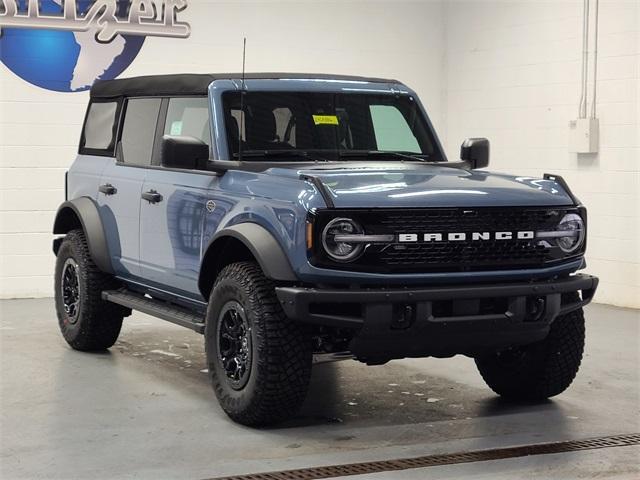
[(100, 127), (139, 129), (392, 130), (327, 126), (188, 117)]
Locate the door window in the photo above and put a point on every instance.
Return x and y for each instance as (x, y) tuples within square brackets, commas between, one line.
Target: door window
[(392, 130), (188, 117), (138, 134)]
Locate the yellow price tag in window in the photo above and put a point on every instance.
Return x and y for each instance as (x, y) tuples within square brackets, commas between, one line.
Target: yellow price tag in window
[(325, 119)]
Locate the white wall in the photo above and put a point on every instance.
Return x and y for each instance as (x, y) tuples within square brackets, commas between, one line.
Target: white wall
[(513, 75), (506, 70), (39, 129)]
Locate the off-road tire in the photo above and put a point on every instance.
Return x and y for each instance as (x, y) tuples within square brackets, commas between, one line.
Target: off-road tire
[(97, 324), (541, 370), (281, 355)]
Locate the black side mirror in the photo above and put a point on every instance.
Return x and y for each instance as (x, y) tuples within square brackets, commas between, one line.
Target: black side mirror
[(183, 152), (476, 152)]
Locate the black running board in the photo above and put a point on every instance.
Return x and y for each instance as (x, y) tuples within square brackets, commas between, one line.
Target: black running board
[(156, 308)]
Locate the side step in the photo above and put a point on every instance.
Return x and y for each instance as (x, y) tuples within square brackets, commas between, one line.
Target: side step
[(156, 308)]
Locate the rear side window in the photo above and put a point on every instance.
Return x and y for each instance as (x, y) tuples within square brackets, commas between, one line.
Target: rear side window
[(188, 117), (139, 130), (100, 127)]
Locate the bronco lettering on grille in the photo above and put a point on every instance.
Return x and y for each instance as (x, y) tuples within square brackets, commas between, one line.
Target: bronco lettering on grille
[(465, 236)]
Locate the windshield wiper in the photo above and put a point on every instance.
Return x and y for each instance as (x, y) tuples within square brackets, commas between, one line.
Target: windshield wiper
[(281, 153), (381, 153), (355, 154)]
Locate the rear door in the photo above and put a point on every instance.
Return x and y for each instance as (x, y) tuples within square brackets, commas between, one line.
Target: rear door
[(171, 223), (121, 184)]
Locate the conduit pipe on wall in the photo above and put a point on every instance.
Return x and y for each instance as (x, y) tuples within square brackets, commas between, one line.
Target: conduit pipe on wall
[(584, 84), (582, 108), (584, 132), (595, 60)]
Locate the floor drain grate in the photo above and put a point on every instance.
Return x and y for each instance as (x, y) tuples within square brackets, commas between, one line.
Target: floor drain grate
[(314, 473)]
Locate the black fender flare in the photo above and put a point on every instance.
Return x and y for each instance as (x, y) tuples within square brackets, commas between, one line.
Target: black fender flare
[(86, 212), (262, 245)]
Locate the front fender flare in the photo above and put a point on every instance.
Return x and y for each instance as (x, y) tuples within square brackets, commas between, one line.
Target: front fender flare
[(85, 210), (262, 245)]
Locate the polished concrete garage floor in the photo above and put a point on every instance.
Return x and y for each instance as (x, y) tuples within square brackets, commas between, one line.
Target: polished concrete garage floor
[(145, 409)]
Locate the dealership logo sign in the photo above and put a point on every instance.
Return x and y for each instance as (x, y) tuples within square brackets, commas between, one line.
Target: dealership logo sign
[(101, 16), (65, 45)]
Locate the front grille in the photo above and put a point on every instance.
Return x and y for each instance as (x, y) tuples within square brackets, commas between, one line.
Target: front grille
[(458, 219), (457, 256), (452, 256)]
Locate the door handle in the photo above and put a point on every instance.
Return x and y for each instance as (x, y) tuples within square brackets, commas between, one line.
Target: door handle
[(108, 189), (152, 196)]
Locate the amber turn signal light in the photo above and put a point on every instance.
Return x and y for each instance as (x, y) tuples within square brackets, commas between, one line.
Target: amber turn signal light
[(309, 235)]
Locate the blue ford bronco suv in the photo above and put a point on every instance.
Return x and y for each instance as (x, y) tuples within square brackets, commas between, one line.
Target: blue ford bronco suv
[(287, 215)]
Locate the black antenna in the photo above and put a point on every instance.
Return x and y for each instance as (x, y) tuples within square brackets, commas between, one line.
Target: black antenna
[(242, 91)]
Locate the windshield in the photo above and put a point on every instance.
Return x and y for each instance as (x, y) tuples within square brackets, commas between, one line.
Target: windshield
[(327, 126)]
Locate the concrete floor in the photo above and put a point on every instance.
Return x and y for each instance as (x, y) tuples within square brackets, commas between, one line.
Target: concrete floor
[(145, 409)]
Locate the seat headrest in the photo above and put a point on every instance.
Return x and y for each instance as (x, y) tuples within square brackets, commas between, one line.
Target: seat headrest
[(233, 133), (206, 133), (260, 127), (232, 125)]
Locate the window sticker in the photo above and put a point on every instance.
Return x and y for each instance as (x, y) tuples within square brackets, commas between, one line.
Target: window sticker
[(325, 119), (176, 127)]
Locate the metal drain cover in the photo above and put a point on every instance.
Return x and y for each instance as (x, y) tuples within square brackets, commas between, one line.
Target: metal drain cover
[(314, 473)]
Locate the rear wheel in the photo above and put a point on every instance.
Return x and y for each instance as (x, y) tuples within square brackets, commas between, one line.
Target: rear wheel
[(259, 361), (540, 370), (86, 321)]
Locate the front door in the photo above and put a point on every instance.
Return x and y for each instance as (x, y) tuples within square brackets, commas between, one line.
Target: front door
[(171, 229), (121, 185), (174, 208)]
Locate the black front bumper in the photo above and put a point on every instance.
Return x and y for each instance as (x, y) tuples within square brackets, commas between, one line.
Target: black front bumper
[(439, 321)]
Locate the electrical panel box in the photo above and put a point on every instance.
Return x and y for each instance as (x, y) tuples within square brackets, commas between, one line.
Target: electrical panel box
[(584, 135)]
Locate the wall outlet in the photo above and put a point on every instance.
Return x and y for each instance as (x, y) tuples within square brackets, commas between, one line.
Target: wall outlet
[(584, 135)]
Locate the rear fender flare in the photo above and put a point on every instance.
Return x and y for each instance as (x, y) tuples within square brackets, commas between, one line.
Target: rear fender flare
[(85, 211)]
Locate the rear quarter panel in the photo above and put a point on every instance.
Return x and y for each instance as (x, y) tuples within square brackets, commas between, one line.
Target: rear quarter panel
[(84, 175)]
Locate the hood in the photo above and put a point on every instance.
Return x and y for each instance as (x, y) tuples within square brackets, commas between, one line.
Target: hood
[(382, 185)]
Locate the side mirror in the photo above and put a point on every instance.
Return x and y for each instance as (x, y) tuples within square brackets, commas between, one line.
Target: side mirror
[(183, 152), (476, 152)]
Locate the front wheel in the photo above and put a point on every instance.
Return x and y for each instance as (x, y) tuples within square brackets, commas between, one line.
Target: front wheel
[(540, 370), (259, 361)]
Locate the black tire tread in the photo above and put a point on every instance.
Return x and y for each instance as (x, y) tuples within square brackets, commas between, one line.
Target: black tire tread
[(548, 371), (284, 353), (99, 321)]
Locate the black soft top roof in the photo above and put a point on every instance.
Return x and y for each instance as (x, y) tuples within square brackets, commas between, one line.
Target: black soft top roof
[(197, 83)]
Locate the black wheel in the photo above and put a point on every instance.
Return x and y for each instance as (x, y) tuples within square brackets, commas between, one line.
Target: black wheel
[(86, 321), (259, 361), (540, 370)]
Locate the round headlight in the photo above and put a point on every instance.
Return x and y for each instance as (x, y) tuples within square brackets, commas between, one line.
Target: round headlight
[(573, 225), (342, 251)]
